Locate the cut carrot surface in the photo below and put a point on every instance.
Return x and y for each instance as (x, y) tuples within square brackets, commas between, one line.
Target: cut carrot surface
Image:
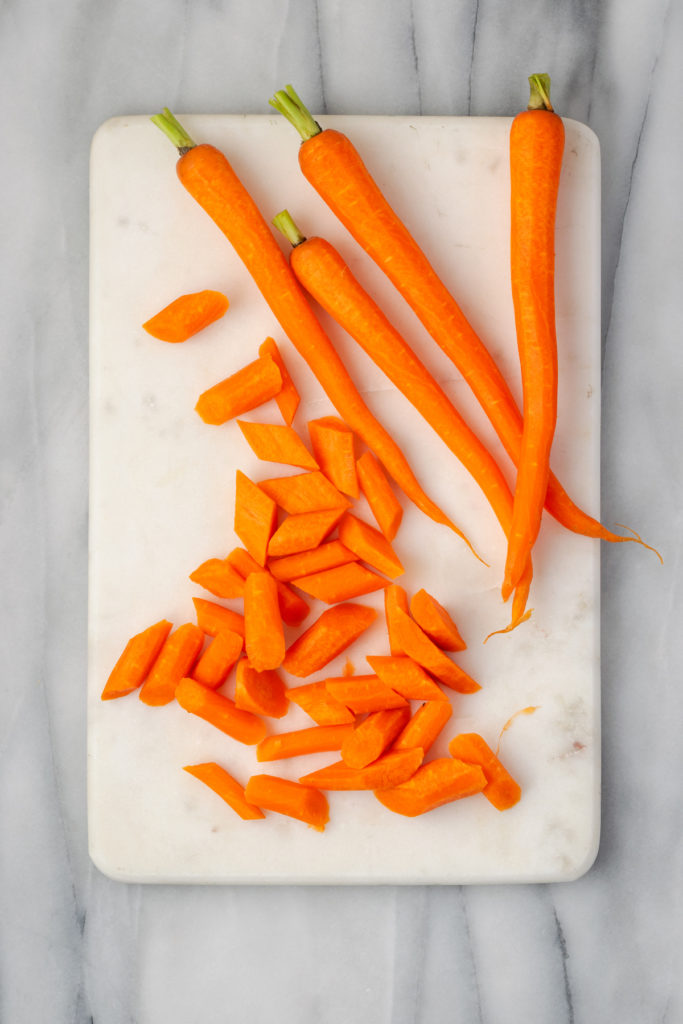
[(291, 798), (313, 740), (501, 789), (303, 532), (276, 442), (263, 693), (264, 639), (395, 599), (212, 617), (424, 726), (136, 660), (175, 659), (218, 660), (341, 583), (293, 608), (226, 787), (417, 645), (333, 447), (372, 736), (288, 397), (220, 712), (335, 630), (436, 622), (434, 784), (386, 772), (406, 677), (305, 563), (319, 704), (243, 391), (384, 505), (370, 545), (304, 492), (187, 315), (364, 693), (255, 517), (220, 578)]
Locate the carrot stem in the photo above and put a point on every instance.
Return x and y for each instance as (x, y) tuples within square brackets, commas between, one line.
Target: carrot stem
[(174, 131), (284, 222), (540, 93), (287, 103)]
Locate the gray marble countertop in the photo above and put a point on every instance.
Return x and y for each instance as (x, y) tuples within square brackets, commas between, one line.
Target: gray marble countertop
[(78, 947)]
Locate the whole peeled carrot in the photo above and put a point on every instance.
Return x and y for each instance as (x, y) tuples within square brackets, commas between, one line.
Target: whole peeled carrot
[(209, 178)]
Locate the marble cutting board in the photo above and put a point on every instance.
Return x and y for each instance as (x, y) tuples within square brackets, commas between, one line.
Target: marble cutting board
[(161, 502)]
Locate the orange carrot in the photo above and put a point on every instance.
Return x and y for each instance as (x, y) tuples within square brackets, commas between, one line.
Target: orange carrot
[(319, 704), (395, 598), (291, 798), (386, 772), (370, 545), (244, 390), (384, 505), (436, 622), (424, 726), (226, 787), (187, 315), (364, 693), (212, 617), (333, 447), (325, 556), (276, 442), (335, 630), (500, 789), (220, 712), (341, 583), (255, 517), (303, 531), (406, 677), (263, 693), (314, 740), (436, 783), (304, 492), (293, 608), (218, 660), (175, 659), (417, 645), (219, 577), (264, 638), (288, 398), (373, 736), (136, 660)]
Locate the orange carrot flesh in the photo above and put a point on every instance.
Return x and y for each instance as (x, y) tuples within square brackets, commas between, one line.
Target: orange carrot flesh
[(304, 492), (264, 638), (372, 736), (303, 531), (406, 677), (314, 740), (136, 660), (365, 693), (175, 659), (335, 630), (293, 608), (333, 447), (386, 772), (395, 599), (248, 388), (436, 622), (417, 645), (501, 789), (384, 505), (288, 397), (212, 617), (276, 442), (261, 692), (370, 545), (290, 798), (436, 783), (218, 660), (341, 584), (424, 726), (325, 556), (187, 315), (255, 517), (319, 704), (220, 712), (220, 578), (226, 787)]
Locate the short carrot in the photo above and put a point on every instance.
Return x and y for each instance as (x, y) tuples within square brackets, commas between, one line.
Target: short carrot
[(220, 712), (246, 389), (424, 726), (406, 677), (364, 694), (255, 517), (220, 578), (373, 736), (304, 492), (501, 789), (218, 660), (276, 442), (187, 315), (284, 796), (384, 505), (264, 638), (370, 545), (319, 704), (288, 397), (386, 772), (325, 556), (436, 783), (303, 531), (342, 583), (417, 645), (177, 656), (334, 448), (436, 622), (136, 660), (226, 787), (261, 692), (213, 617), (335, 630), (313, 740)]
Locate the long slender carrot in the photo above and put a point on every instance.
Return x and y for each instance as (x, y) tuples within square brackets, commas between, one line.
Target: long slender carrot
[(208, 176)]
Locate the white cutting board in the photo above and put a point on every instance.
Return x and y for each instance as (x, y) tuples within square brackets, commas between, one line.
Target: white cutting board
[(161, 502)]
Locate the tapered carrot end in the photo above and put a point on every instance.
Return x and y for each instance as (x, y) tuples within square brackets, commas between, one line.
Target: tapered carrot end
[(637, 539), (512, 625)]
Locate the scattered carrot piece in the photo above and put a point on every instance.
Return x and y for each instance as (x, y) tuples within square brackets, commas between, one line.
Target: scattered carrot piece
[(501, 789), (395, 598), (319, 704), (386, 772), (370, 545), (373, 736), (264, 638), (303, 531), (341, 583), (226, 787), (333, 447), (335, 630), (212, 617), (253, 385), (304, 492), (424, 726), (218, 660), (175, 659), (365, 693), (135, 661), (220, 712), (263, 693), (314, 740), (291, 798), (417, 645), (255, 517), (436, 622), (406, 677), (522, 711), (293, 608), (187, 315), (276, 442), (220, 578), (305, 563), (288, 398), (436, 783), (384, 505)]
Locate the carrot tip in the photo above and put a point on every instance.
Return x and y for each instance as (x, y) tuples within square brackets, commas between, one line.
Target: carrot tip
[(513, 625), (637, 539)]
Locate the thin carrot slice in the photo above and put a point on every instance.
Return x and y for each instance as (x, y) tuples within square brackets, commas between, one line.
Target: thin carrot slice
[(263, 693), (373, 736), (386, 772), (364, 693), (395, 599), (264, 638), (370, 545), (253, 385), (226, 787), (424, 726), (303, 531), (304, 492), (436, 783), (220, 578), (187, 315), (135, 661), (176, 658), (500, 789), (436, 622), (406, 677), (313, 740), (417, 645), (319, 704), (305, 563), (333, 447), (220, 712), (255, 517), (288, 398), (335, 630), (276, 442), (291, 798), (212, 617), (293, 608), (342, 583), (218, 660), (384, 505)]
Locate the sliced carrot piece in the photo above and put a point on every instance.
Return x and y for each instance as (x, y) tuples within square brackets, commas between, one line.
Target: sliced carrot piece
[(384, 505), (226, 787), (264, 638), (303, 531), (219, 577), (364, 693), (436, 783), (313, 740), (135, 661), (341, 583), (406, 677), (417, 645), (293, 608), (335, 630), (263, 693), (319, 704), (291, 798), (500, 789), (395, 598), (218, 660), (326, 556), (212, 617), (386, 772), (373, 736), (424, 726), (276, 442), (304, 492), (187, 315), (176, 658), (370, 545), (255, 517), (253, 385), (288, 398), (220, 712), (333, 447), (436, 622)]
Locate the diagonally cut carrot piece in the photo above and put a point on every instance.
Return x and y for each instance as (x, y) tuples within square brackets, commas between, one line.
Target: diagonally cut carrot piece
[(370, 545), (319, 704), (303, 531), (436, 622), (187, 315), (135, 661), (333, 447), (364, 693), (255, 517), (220, 578), (253, 385), (291, 798), (288, 398), (436, 783), (264, 692), (395, 598), (501, 789), (264, 638), (175, 660), (406, 677), (226, 787), (304, 492), (417, 645), (386, 772), (335, 630), (313, 740), (341, 583), (424, 726), (220, 712), (325, 556), (293, 608), (218, 660), (373, 736), (276, 442), (384, 505), (212, 617)]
